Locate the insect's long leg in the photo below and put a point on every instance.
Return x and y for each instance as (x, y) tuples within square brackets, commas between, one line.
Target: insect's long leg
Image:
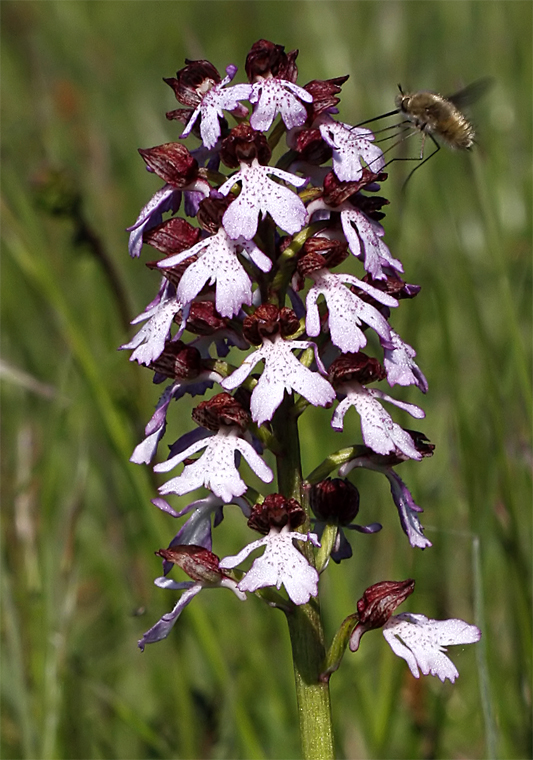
[(405, 126), (421, 159), (406, 137)]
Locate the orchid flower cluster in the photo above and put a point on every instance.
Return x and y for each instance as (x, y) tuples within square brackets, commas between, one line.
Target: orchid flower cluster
[(254, 313)]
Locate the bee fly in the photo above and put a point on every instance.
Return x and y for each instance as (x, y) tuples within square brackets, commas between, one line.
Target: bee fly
[(436, 116)]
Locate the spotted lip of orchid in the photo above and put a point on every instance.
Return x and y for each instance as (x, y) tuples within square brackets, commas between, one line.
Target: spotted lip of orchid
[(217, 261), (273, 96), (283, 372), (222, 440), (349, 374), (421, 642), (350, 145), (260, 195), (282, 563)]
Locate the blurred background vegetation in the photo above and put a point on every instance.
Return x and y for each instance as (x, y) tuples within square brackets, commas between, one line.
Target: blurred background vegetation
[(82, 89)]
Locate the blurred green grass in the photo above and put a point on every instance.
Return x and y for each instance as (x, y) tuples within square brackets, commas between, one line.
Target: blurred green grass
[(81, 90)]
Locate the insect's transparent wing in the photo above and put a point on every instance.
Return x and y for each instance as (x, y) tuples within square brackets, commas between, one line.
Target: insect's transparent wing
[(471, 93)]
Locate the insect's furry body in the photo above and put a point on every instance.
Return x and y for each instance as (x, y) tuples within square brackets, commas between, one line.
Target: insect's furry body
[(435, 115)]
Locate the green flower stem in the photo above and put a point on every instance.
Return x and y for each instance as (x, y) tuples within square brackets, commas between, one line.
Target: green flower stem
[(305, 624), (314, 707)]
